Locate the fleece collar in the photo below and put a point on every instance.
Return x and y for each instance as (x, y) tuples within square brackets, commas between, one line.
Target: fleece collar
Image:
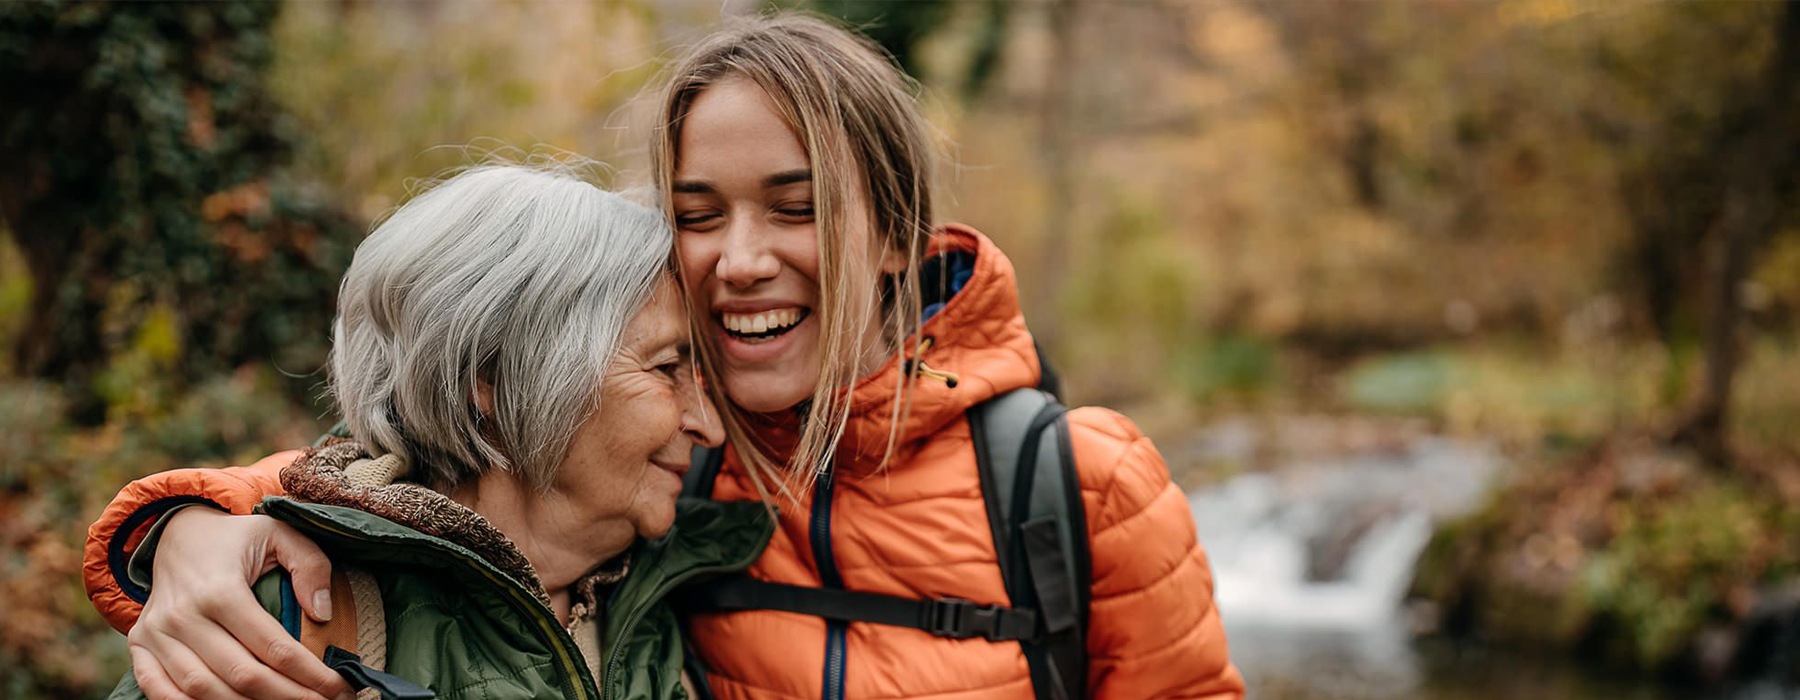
[(343, 473)]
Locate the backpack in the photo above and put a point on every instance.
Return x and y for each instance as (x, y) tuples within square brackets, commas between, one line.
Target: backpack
[(360, 626), (1034, 508)]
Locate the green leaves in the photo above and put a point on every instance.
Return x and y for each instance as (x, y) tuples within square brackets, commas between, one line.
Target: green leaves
[(150, 150)]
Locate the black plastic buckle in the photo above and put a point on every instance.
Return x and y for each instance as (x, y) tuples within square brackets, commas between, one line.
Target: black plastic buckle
[(956, 618), (361, 676)]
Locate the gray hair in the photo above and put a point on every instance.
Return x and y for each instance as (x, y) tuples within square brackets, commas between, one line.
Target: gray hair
[(522, 277)]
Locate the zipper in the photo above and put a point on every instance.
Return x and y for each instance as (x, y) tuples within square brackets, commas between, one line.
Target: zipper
[(563, 646), (835, 630), (615, 656)]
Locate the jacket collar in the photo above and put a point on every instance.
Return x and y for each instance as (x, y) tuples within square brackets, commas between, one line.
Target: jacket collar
[(706, 536), (343, 473), (978, 337)]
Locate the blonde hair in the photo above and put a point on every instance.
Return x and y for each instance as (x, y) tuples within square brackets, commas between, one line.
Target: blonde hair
[(855, 113)]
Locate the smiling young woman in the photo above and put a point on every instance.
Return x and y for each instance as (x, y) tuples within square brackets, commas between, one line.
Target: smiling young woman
[(850, 335), (749, 242), (800, 185)]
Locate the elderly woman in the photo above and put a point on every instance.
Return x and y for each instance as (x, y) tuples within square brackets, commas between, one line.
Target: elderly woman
[(511, 357)]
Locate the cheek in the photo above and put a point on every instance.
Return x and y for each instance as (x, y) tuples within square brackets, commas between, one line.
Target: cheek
[(803, 252), (695, 257), (662, 419)]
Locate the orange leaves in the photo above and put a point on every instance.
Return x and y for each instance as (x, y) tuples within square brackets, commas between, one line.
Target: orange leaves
[(201, 127), (229, 209)]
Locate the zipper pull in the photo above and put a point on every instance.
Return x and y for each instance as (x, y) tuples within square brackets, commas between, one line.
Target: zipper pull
[(949, 378), (360, 676), (915, 365)]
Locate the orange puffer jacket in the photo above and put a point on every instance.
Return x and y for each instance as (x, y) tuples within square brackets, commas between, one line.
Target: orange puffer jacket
[(916, 528)]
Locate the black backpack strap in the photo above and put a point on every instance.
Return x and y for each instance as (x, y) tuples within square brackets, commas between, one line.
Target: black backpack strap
[(1070, 649), (703, 470), (945, 617), (1040, 531), (1039, 524), (1049, 381), (696, 669)]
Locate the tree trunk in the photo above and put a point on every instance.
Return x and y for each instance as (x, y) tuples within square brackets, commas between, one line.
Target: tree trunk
[(61, 337), (1760, 166), (1058, 142)]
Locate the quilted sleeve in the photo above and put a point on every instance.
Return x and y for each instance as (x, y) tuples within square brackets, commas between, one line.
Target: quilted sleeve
[(1154, 630), (123, 524)]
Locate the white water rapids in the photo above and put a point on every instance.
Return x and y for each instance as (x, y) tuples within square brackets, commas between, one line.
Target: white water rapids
[(1311, 559), (1263, 531), (1312, 555)]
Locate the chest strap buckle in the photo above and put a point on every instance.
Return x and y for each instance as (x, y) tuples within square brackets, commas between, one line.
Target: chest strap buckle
[(956, 618)]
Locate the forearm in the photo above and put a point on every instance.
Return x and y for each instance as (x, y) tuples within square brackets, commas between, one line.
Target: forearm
[(125, 522)]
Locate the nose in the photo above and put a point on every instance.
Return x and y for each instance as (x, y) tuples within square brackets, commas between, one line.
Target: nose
[(744, 256), (700, 419)]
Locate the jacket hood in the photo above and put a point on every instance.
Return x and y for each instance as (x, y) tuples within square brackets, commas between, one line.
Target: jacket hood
[(978, 336)]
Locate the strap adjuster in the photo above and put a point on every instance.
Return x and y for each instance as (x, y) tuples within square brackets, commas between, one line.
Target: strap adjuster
[(362, 677), (956, 618)]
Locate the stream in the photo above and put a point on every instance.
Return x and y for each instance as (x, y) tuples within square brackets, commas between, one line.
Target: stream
[(1312, 559)]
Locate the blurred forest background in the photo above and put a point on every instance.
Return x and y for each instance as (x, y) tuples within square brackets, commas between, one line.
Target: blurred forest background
[(1562, 227)]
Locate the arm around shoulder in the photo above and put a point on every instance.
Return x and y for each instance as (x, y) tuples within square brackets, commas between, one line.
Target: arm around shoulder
[(122, 525), (1154, 631)]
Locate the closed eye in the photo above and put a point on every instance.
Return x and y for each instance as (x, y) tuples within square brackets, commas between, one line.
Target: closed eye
[(697, 221), (796, 212)]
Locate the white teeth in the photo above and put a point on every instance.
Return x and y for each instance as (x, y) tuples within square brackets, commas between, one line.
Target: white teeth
[(760, 322)]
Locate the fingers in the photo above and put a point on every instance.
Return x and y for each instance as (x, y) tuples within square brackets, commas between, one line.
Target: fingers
[(227, 648), (152, 679), (203, 635), (203, 661), (277, 653), (182, 674), (308, 567)]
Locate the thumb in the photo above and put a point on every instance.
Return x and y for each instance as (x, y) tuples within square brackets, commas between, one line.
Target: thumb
[(309, 569)]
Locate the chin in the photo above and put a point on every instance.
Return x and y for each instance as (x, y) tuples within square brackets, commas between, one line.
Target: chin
[(761, 394), (658, 528), (656, 522)]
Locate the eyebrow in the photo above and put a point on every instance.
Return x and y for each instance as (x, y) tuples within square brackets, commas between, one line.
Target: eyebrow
[(787, 178), (781, 179)]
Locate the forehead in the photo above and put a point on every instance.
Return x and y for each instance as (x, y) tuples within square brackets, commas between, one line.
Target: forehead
[(661, 321), (733, 124)]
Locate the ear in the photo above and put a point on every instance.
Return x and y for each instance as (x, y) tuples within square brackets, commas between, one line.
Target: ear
[(484, 398)]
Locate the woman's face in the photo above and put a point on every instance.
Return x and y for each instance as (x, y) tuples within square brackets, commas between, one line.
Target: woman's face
[(626, 460), (743, 203)]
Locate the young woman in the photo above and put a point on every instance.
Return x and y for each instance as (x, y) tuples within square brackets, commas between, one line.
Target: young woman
[(797, 171)]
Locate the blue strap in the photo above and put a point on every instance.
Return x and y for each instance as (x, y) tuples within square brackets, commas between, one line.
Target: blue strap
[(290, 605)]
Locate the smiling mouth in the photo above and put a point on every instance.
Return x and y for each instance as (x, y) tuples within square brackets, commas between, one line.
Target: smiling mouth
[(762, 326)]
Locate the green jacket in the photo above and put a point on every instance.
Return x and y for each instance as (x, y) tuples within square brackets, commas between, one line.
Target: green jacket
[(459, 625)]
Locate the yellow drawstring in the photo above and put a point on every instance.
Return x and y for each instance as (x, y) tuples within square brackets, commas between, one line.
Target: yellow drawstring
[(917, 365)]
